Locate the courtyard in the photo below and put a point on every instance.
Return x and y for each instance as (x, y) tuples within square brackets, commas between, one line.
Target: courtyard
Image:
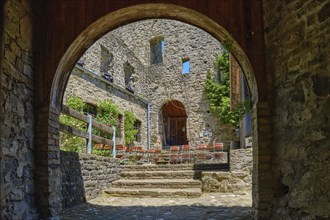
[(280, 46), (210, 206)]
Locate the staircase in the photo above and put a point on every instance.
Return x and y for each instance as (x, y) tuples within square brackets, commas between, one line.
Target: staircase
[(157, 181)]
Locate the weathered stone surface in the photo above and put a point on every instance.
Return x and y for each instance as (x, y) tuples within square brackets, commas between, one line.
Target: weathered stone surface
[(85, 176), (93, 89), (297, 41), (238, 179), (241, 160), (225, 182), (208, 206), (16, 114), (129, 47)]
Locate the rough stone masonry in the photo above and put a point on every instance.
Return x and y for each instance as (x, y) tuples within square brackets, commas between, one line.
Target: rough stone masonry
[(128, 49)]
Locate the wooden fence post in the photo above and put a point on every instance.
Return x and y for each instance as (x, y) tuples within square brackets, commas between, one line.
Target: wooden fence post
[(89, 130), (114, 142)]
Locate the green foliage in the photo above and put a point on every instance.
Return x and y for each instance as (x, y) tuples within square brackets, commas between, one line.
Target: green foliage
[(227, 44), (218, 93), (108, 113), (68, 141), (102, 152), (129, 129)]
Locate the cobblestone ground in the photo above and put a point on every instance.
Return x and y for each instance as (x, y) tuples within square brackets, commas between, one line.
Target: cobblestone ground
[(210, 206)]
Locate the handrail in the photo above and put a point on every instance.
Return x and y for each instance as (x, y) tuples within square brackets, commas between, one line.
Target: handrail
[(88, 134)]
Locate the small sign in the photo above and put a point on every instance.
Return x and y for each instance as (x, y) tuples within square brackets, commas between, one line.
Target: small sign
[(201, 134)]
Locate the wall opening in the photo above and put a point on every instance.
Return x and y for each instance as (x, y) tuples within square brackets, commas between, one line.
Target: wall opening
[(128, 71), (212, 27), (175, 123), (185, 66), (157, 46), (137, 126), (106, 59)]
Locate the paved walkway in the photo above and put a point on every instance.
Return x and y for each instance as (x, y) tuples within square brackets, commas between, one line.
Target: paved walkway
[(210, 206)]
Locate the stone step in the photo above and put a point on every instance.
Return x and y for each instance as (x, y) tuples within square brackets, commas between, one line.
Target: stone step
[(158, 183), (151, 192), (176, 167), (154, 167), (181, 174)]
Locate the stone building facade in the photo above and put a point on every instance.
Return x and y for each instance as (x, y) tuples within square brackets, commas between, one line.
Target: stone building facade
[(286, 43), (126, 53)]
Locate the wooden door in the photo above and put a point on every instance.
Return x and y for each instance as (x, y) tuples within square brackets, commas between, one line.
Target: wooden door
[(178, 131)]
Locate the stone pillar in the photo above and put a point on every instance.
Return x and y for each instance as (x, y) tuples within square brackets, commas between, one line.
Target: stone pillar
[(48, 175), (262, 187)]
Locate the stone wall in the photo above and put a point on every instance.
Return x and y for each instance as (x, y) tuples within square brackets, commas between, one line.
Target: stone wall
[(85, 176), (93, 89), (17, 112), (158, 83), (237, 180), (297, 37), (120, 59), (241, 160)]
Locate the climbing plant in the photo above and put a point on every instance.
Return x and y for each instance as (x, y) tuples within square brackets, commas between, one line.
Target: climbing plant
[(129, 128), (70, 142), (108, 113), (218, 93)]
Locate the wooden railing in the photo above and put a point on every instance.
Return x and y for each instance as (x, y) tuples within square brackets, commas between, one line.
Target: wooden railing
[(88, 134)]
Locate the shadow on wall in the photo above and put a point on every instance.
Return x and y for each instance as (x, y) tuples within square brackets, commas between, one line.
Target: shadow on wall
[(73, 191), (85, 176)]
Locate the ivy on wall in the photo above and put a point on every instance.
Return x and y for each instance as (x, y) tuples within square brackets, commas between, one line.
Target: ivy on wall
[(108, 113), (129, 128), (218, 93)]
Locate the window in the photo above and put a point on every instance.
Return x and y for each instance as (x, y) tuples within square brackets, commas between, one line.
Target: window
[(156, 50), (90, 109), (106, 59), (128, 70), (185, 66), (137, 126)]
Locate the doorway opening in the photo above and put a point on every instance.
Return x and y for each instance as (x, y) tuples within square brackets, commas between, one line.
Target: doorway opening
[(175, 123), (154, 11)]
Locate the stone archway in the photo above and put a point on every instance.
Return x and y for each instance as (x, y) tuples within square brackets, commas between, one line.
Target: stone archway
[(174, 123), (48, 127), (140, 12)]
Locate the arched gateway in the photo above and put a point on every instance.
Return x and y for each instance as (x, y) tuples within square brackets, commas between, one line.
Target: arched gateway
[(71, 47)]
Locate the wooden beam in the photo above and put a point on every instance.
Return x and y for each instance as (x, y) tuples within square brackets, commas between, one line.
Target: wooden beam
[(74, 131), (73, 113), (101, 140), (103, 127), (83, 134)]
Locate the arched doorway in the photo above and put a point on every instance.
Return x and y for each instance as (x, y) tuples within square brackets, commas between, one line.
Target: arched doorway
[(52, 87), (174, 123)]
